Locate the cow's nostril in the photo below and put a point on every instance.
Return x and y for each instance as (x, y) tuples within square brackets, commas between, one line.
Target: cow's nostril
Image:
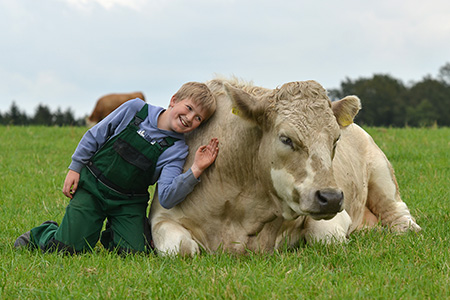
[(330, 200), (322, 197)]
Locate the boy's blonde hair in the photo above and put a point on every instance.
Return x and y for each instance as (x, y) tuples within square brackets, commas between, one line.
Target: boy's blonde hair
[(200, 94)]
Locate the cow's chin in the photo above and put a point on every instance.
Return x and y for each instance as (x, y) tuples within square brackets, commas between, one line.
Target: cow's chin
[(289, 213), (322, 216)]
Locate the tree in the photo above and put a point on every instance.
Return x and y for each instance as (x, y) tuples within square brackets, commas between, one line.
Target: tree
[(15, 116), (381, 97), (428, 102), (43, 116), (444, 74), (422, 114), (69, 118), (63, 118)]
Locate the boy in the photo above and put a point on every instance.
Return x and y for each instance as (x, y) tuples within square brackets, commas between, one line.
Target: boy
[(115, 162)]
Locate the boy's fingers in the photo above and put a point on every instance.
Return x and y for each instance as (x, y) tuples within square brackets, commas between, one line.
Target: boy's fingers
[(74, 188), (213, 143), (65, 189), (66, 193)]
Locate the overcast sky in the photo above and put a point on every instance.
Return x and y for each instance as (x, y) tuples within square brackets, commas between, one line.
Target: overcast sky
[(68, 53)]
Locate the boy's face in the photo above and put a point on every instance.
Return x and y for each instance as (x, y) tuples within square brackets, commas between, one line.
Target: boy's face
[(185, 115)]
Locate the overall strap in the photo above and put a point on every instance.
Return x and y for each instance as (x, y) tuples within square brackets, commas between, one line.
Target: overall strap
[(168, 141), (165, 143), (140, 116)]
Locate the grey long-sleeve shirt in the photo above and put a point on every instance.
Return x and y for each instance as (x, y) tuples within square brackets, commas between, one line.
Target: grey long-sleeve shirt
[(173, 184)]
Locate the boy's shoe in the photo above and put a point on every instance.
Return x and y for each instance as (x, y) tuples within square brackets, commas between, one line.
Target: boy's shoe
[(24, 239)]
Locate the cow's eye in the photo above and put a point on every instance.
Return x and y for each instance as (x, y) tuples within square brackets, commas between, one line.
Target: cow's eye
[(337, 140), (287, 141), (334, 147)]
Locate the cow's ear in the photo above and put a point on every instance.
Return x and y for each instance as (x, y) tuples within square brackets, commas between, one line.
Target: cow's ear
[(346, 109), (244, 104)]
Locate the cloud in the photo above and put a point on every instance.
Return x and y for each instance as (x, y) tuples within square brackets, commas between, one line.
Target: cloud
[(88, 5), (70, 52), (28, 91)]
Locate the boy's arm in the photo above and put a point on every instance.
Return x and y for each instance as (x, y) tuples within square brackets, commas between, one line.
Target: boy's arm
[(95, 137), (174, 186)]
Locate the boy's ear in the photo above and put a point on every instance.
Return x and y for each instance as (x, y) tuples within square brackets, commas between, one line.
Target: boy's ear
[(244, 105), (173, 100), (346, 109)]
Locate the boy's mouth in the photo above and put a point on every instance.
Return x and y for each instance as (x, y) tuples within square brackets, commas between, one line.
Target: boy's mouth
[(183, 122)]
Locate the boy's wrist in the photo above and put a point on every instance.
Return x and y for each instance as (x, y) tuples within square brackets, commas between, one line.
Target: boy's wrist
[(196, 171)]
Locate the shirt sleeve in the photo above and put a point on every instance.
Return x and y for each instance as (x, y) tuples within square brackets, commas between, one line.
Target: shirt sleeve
[(97, 136), (173, 185)]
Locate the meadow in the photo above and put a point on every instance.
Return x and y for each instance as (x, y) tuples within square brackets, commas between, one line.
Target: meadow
[(375, 264)]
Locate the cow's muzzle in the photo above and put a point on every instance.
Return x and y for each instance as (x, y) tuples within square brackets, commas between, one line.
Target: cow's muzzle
[(328, 202)]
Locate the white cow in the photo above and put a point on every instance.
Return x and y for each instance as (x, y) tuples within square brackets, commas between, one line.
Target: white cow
[(292, 165)]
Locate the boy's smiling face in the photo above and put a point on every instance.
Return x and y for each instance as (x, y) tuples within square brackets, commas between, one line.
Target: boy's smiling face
[(184, 116)]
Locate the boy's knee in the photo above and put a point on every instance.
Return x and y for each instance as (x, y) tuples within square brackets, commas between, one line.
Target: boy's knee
[(56, 246), (114, 241)]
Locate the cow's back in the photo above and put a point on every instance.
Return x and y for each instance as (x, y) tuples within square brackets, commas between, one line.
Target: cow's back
[(108, 103)]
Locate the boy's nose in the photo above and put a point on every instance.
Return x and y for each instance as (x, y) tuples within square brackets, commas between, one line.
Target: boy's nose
[(190, 116)]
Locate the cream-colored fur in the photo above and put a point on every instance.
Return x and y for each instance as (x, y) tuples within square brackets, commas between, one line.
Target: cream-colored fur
[(274, 182)]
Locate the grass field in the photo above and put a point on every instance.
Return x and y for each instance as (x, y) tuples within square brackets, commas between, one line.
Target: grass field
[(372, 265)]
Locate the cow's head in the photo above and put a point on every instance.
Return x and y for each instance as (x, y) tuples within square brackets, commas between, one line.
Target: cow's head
[(300, 129)]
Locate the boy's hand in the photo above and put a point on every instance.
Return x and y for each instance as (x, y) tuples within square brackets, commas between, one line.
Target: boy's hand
[(71, 183), (205, 156)]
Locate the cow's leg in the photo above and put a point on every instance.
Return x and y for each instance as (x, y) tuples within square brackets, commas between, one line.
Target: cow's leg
[(384, 199), (369, 219), (327, 231), (290, 234), (170, 238)]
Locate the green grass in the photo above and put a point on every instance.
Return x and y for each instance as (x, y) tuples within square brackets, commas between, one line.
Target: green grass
[(372, 265)]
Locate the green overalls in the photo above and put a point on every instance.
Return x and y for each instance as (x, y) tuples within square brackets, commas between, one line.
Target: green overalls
[(114, 185)]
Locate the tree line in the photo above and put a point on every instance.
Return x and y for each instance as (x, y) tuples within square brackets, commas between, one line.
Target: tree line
[(386, 101), (43, 116)]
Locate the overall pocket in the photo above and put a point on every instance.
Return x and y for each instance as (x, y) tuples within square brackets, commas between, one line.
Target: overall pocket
[(132, 155)]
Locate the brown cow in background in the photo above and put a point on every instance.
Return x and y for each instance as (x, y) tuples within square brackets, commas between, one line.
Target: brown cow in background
[(106, 104)]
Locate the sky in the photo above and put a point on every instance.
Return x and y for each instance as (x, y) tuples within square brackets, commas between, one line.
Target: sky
[(66, 54)]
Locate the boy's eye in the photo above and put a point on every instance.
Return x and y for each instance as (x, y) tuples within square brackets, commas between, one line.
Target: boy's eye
[(199, 119), (190, 108)]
